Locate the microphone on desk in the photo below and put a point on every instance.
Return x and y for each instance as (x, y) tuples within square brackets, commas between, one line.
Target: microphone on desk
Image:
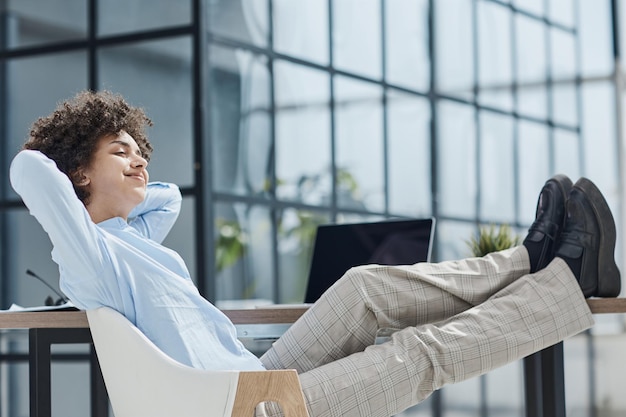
[(49, 301)]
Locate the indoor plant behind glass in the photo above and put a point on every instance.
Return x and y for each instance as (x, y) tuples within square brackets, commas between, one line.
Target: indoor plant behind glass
[(490, 240)]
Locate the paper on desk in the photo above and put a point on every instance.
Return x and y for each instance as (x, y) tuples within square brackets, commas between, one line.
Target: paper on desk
[(65, 306), (285, 306)]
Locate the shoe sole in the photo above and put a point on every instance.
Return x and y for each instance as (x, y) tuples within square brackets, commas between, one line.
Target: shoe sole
[(609, 280), (564, 182)]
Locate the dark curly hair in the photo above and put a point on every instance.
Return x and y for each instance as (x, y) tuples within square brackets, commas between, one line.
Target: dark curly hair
[(69, 135)]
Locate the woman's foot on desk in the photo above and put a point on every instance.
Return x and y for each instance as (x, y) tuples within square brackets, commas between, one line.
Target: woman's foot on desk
[(544, 233), (587, 243)]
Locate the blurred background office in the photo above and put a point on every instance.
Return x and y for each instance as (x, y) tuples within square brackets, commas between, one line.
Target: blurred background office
[(275, 116)]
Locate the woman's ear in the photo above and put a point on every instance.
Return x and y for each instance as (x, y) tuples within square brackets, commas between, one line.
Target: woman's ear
[(79, 179)]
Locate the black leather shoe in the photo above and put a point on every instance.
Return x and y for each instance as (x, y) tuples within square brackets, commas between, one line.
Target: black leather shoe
[(544, 233), (587, 242)]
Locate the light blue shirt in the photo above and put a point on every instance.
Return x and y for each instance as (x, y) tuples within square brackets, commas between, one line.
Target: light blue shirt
[(123, 265)]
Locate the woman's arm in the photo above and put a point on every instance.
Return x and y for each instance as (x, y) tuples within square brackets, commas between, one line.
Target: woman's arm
[(50, 197), (156, 215)]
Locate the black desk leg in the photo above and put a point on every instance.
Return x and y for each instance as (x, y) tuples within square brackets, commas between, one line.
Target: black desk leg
[(544, 381), (99, 395), (39, 364), (554, 381), (40, 341)]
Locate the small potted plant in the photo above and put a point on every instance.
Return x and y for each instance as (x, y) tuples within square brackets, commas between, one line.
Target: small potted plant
[(491, 240)]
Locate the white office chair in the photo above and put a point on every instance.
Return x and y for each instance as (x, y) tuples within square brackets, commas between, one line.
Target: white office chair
[(142, 381)]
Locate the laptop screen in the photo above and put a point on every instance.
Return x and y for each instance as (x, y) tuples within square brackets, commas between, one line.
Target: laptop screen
[(339, 247)]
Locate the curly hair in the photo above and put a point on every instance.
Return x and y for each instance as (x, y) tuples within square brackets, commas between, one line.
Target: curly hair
[(70, 134)]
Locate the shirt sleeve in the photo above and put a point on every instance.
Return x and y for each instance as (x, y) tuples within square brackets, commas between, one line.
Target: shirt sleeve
[(156, 215), (50, 197)]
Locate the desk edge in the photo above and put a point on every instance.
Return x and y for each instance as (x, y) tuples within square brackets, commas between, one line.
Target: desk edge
[(78, 319)]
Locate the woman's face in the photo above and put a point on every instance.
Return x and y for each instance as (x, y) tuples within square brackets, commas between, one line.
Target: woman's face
[(116, 178)]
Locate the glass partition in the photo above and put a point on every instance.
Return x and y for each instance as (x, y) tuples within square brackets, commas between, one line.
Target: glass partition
[(34, 86), (303, 134), (127, 16), (30, 23), (135, 70), (357, 48), (359, 176)]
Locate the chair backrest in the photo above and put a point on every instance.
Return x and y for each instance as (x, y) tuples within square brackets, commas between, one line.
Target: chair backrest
[(141, 380)]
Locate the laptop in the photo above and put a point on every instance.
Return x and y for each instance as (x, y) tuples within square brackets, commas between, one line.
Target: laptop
[(339, 247)]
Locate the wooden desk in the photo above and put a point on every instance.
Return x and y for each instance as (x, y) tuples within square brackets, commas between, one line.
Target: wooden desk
[(607, 305), (78, 319), (543, 371)]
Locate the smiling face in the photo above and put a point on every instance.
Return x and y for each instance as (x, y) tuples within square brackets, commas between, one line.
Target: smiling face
[(116, 177)]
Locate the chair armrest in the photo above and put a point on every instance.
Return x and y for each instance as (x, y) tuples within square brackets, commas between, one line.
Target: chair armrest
[(282, 387)]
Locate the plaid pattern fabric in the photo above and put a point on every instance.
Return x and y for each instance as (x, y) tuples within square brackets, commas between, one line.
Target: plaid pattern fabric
[(456, 320)]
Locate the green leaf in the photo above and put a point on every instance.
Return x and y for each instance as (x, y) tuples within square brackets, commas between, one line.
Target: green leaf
[(491, 240)]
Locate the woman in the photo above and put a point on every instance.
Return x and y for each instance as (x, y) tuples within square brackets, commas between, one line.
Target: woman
[(83, 176)]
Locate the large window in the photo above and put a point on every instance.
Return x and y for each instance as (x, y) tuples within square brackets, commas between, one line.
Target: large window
[(275, 116)]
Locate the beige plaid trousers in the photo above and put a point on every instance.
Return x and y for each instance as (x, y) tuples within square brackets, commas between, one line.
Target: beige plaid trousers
[(457, 320)]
